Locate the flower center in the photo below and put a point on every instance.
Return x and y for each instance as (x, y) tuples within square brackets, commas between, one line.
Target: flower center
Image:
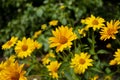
[(81, 61), (1, 69), (63, 40), (16, 76), (95, 22), (55, 69), (9, 42), (24, 47), (111, 31)]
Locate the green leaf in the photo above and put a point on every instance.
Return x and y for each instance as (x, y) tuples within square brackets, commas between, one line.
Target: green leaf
[(96, 70), (70, 75), (102, 51), (29, 69), (39, 12), (107, 70), (89, 40)]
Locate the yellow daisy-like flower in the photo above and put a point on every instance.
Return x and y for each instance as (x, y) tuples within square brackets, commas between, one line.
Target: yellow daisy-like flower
[(13, 72), (108, 45), (82, 32), (117, 56), (5, 65), (53, 23), (81, 62), (62, 7), (36, 34), (37, 45), (113, 62), (95, 77), (53, 68), (110, 30), (10, 43), (94, 22), (2, 69), (46, 59), (24, 48), (9, 61), (44, 26), (63, 37), (108, 77), (10, 70)]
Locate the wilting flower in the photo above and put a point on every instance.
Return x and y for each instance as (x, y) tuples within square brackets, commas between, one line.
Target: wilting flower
[(47, 57), (10, 43), (110, 30), (63, 37), (53, 23), (53, 68), (24, 48), (94, 22), (81, 62)]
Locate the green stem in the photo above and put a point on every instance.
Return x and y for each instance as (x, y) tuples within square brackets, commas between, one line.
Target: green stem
[(71, 54), (93, 42), (59, 56)]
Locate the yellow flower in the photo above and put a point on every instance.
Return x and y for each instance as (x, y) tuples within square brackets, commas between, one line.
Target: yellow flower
[(117, 56), (10, 70), (46, 59), (43, 26), (53, 23), (5, 65), (13, 72), (82, 32), (9, 61), (62, 7), (110, 30), (94, 22), (95, 77), (37, 45), (113, 62), (2, 69), (24, 48), (63, 37), (53, 68), (36, 34), (81, 62), (108, 45), (107, 77), (10, 43)]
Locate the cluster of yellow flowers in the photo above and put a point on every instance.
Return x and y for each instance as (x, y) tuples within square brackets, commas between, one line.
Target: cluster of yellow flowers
[(22, 48), (61, 40), (63, 37), (106, 31)]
